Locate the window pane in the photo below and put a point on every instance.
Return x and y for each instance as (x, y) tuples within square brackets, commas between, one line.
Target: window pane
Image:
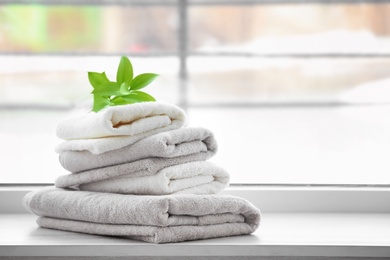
[(239, 80), (101, 29), (38, 90), (323, 145), (291, 28)]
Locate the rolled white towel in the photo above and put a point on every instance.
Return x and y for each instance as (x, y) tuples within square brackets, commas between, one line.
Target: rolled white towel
[(119, 126)]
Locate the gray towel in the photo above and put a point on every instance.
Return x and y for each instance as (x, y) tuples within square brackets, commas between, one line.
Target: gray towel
[(179, 142), (144, 167), (157, 219), (194, 177)]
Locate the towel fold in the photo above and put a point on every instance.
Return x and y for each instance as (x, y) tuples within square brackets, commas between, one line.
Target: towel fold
[(144, 167), (125, 124), (179, 142), (195, 177), (157, 219)]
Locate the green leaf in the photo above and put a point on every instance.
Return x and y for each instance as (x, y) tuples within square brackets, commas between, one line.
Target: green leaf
[(143, 96), (118, 101), (100, 102), (97, 79), (142, 80), (133, 98), (125, 71), (124, 89), (107, 89)]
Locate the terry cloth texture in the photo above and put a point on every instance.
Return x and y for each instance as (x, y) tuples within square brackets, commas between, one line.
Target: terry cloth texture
[(144, 167), (193, 178), (179, 142), (118, 126), (156, 219)]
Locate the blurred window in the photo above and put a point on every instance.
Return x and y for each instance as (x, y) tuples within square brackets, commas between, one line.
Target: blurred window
[(297, 92)]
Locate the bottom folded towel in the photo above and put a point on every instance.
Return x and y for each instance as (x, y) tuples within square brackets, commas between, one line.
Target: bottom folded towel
[(156, 219), (150, 234)]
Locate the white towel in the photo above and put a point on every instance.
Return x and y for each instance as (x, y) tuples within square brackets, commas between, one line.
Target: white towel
[(124, 125), (193, 178), (144, 167)]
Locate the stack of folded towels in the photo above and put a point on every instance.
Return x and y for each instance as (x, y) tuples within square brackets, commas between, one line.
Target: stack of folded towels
[(137, 172)]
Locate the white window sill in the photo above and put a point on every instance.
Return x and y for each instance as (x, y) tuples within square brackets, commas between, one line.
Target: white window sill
[(291, 235)]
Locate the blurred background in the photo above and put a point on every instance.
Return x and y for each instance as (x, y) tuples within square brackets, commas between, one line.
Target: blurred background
[(297, 92)]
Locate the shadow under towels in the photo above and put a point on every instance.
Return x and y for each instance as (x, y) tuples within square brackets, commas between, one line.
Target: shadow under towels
[(156, 219)]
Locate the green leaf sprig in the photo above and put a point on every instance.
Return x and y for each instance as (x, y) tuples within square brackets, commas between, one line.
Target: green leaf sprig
[(126, 89)]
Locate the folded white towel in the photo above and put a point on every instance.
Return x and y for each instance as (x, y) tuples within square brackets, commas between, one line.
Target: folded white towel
[(157, 219), (194, 178), (144, 167), (175, 143), (128, 123)]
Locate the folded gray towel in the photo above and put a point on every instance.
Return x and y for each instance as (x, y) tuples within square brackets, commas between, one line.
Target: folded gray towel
[(157, 219), (179, 142), (144, 167), (194, 177)]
